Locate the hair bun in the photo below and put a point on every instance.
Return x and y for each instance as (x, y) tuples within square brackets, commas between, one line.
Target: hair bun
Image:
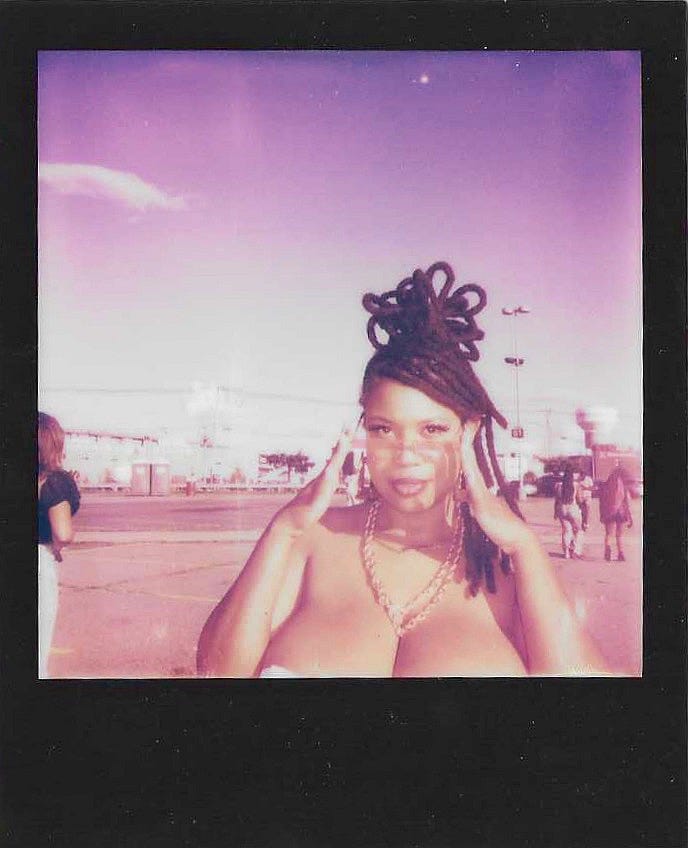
[(414, 311)]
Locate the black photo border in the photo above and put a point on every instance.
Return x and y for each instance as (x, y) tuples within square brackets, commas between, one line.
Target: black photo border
[(570, 762)]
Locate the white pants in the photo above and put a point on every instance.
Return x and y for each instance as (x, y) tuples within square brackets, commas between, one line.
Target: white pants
[(351, 484), (47, 606), (572, 537)]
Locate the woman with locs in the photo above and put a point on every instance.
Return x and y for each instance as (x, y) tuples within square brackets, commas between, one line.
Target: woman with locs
[(433, 575), (568, 511)]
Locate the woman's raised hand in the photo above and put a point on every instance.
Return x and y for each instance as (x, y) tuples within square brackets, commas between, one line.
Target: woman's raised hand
[(498, 522), (310, 504)]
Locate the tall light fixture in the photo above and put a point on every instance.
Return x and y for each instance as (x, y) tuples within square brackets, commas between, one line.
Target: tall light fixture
[(516, 362)]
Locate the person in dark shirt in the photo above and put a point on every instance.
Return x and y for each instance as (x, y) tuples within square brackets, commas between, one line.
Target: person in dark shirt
[(350, 478), (58, 500), (615, 511)]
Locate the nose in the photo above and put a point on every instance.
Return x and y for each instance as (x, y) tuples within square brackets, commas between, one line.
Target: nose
[(407, 450)]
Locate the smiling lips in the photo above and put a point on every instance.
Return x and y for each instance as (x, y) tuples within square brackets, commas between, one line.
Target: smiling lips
[(407, 487)]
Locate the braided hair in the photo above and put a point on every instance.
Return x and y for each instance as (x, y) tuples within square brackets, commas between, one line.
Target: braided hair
[(568, 490), (430, 347)]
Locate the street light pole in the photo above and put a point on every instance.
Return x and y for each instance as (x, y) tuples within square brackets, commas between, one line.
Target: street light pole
[(548, 425), (517, 362)]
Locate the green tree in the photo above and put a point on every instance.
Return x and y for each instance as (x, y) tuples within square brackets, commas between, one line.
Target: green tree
[(297, 462)]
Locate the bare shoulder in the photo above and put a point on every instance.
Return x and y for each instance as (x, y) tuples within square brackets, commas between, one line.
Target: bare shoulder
[(343, 519), (337, 521)]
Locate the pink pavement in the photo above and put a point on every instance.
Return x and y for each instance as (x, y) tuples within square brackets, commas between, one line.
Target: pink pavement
[(133, 602)]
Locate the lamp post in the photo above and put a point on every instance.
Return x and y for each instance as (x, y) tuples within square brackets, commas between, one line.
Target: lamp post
[(517, 362)]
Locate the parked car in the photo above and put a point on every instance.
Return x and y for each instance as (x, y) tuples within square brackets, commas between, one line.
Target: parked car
[(546, 484), (529, 485)]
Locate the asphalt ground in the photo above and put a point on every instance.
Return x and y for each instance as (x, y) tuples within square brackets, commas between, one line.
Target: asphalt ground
[(145, 572)]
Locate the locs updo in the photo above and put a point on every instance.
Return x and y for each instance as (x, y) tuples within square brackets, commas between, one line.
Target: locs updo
[(430, 347)]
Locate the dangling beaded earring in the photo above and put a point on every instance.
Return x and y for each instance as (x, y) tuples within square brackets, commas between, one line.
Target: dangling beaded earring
[(371, 493), (458, 497), (459, 493)]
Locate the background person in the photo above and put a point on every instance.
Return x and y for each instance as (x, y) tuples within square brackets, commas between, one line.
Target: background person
[(429, 577), (615, 512), (363, 480), (350, 478), (568, 512), (584, 487), (58, 501), (583, 497)]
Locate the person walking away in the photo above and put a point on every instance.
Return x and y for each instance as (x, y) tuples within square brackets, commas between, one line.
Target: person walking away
[(584, 486), (58, 501), (363, 480), (568, 512), (615, 512), (350, 478)]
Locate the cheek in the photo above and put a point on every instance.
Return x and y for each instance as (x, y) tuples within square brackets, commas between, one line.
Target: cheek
[(378, 455), (375, 461), (448, 465)]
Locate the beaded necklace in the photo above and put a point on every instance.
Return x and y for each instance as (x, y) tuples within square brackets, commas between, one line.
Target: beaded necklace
[(400, 614)]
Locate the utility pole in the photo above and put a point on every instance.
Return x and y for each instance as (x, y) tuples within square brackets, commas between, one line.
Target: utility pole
[(548, 432), (216, 408), (517, 362)]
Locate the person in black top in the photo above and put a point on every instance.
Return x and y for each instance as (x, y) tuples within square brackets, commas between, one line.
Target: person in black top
[(58, 500), (350, 478)]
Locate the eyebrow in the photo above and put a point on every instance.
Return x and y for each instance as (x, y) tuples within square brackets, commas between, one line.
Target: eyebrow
[(439, 419)]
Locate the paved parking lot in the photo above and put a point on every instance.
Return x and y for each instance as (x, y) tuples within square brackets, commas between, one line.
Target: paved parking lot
[(144, 574)]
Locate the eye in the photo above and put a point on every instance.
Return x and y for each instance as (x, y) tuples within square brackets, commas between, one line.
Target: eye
[(381, 429), (435, 429)]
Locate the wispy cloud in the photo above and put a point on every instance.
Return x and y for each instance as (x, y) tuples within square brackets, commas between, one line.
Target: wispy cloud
[(97, 181)]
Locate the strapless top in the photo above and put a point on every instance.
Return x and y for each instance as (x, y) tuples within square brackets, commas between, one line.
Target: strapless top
[(277, 671), (282, 671)]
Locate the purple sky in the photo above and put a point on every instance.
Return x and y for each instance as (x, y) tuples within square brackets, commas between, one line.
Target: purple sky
[(216, 217)]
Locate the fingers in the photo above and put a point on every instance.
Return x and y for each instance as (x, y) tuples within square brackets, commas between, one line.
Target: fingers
[(469, 464), (324, 485), (343, 444), (334, 464), (481, 500)]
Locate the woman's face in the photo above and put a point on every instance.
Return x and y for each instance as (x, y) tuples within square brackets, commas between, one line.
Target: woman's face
[(412, 446)]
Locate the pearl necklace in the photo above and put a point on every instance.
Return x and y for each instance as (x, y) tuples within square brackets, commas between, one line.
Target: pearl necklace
[(399, 614)]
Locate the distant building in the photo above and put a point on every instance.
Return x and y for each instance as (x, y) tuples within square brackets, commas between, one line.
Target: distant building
[(103, 460), (606, 457)]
